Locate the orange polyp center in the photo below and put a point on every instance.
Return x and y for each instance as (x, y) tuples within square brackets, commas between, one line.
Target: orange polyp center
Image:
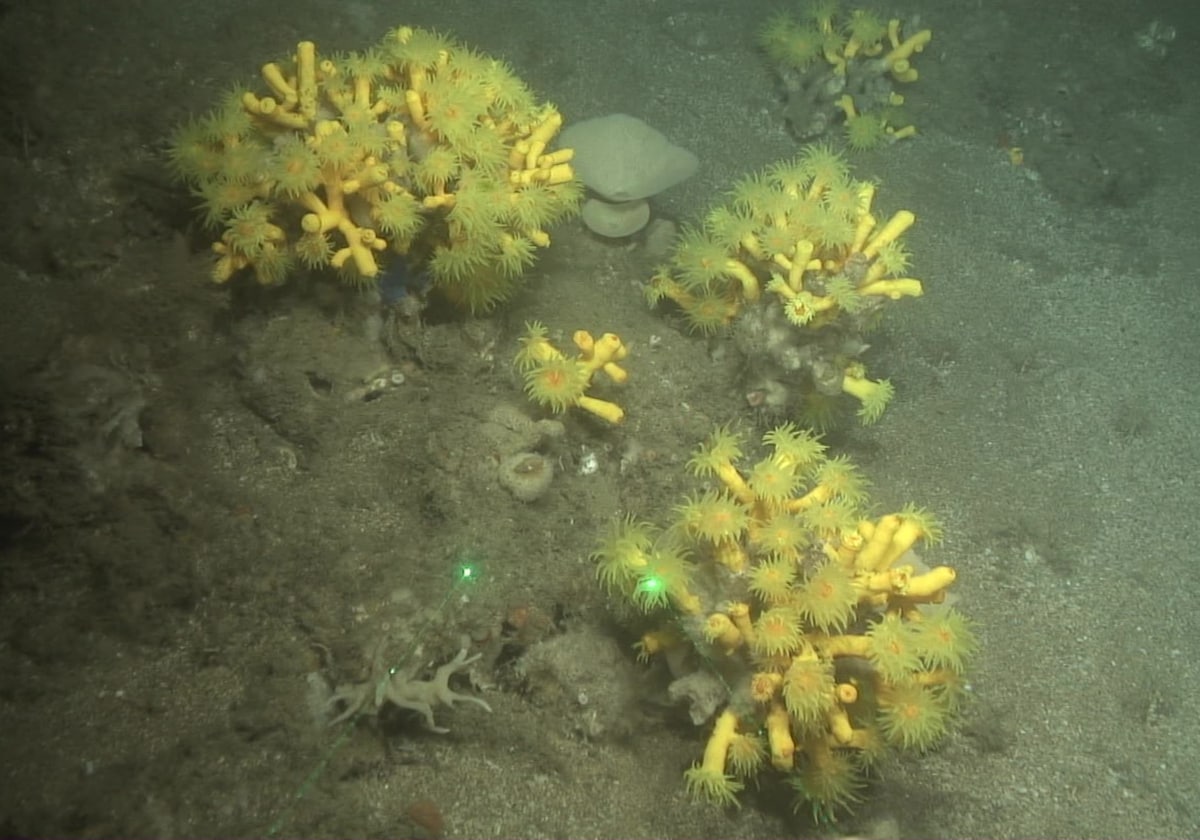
[(721, 519), (554, 380), (762, 687), (775, 627), (806, 681)]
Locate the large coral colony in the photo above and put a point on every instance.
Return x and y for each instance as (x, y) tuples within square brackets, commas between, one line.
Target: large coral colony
[(831, 642), (419, 147)]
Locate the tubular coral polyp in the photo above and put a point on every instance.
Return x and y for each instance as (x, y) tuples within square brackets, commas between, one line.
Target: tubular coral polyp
[(708, 779), (779, 737), (889, 233), (719, 630)]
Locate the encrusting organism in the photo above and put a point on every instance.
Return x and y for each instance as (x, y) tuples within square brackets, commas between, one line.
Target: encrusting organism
[(400, 688)]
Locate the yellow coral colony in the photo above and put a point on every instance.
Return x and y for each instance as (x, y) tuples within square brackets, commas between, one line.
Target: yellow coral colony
[(558, 381), (419, 146), (843, 66), (802, 237), (831, 636)]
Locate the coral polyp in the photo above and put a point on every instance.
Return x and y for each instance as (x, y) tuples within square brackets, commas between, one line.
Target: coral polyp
[(714, 516), (623, 554), (944, 639), (778, 632), (808, 691), (771, 580), (827, 598), (894, 647), (557, 383), (912, 716)]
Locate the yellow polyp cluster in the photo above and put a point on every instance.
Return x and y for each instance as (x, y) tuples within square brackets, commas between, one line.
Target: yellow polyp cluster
[(801, 238), (419, 147), (843, 65), (836, 642), (558, 382)]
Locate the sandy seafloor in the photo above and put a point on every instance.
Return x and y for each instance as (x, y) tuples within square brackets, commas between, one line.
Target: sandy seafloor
[(196, 540)]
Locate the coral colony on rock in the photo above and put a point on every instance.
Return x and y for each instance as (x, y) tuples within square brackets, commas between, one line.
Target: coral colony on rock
[(419, 147)]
